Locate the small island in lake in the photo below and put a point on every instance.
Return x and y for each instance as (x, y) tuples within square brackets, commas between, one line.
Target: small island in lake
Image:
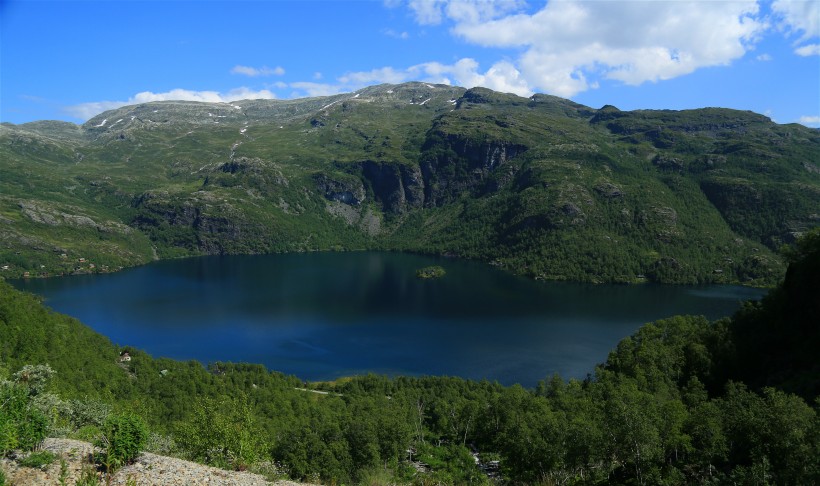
[(430, 272)]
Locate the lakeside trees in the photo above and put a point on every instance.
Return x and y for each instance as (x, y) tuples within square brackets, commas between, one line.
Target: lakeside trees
[(683, 400)]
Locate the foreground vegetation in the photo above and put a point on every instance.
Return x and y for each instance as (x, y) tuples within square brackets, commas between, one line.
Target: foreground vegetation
[(540, 186), (683, 400)]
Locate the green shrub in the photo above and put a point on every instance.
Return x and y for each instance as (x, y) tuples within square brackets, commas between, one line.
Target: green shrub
[(88, 433), (32, 430), (87, 412), (88, 477), (123, 438), (36, 378), (38, 460), (224, 433), (21, 425), (8, 435), (160, 444)]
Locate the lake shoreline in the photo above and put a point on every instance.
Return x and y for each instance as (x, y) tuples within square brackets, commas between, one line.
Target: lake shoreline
[(638, 280), (323, 315)]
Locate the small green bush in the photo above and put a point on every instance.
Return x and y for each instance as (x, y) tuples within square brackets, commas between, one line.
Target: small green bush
[(88, 477), (21, 425), (88, 433), (87, 412), (32, 430), (38, 460), (36, 378), (8, 435), (123, 438)]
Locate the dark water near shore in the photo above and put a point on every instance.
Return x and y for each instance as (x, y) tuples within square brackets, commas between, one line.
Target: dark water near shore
[(324, 315)]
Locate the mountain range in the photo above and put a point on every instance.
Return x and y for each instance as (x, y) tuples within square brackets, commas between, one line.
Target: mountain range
[(541, 186)]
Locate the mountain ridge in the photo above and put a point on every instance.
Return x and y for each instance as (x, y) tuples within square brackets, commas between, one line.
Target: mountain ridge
[(542, 186)]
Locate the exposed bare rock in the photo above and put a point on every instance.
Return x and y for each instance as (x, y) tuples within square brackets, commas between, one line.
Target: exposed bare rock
[(148, 469)]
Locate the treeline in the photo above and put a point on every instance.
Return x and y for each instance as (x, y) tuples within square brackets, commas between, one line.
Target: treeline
[(683, 400)]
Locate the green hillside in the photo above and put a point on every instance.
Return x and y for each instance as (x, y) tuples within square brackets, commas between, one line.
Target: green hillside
[(682, 401), (541, 186)]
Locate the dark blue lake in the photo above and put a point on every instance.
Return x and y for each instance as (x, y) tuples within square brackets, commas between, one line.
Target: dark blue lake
[(320, 316)]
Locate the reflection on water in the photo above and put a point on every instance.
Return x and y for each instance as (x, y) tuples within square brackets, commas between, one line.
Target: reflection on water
[(325, 315)]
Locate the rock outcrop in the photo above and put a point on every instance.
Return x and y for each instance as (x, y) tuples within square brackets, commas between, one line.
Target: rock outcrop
[(148, 469)]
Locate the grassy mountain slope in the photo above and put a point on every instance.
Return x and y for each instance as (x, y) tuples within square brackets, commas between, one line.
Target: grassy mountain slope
[(540, 185)]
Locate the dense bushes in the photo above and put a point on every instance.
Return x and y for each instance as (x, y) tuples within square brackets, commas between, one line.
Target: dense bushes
[(674, 403), (223, 432)]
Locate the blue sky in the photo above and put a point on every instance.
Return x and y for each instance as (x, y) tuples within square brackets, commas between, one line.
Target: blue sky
[(71, 60)]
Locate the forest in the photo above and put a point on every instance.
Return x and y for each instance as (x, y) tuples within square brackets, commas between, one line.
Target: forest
[(682, 401)]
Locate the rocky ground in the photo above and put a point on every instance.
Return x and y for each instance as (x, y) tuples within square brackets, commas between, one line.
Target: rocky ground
[(149, 469)]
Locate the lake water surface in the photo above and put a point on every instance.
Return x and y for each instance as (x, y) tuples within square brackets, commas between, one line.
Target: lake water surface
[(320, 316)]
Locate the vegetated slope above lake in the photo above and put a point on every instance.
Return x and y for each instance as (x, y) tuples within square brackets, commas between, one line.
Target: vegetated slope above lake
[(542, 186)]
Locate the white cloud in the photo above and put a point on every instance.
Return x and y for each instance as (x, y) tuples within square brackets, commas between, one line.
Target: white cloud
[(380, 75), (396, 35), (811, 121), (473, 11), (427, 12), (808, 50), (307, 88), (433, 12), (568, 47), (764, 57), (254, 72), (501, 76), (84, 111), (801, 18)]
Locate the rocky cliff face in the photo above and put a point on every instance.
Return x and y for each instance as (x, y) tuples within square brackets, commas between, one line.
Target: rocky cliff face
[(398, 187), (454, 164), (341, 188), (202, 224)]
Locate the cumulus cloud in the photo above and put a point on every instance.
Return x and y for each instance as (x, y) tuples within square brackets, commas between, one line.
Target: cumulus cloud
[(254, 72), (501, 76), (568, 46), (433, 12), (381, 75), (307, 88), (811, 121), (799, 17), (84, 111), (808, 50), (427, 12), (396, 35)]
